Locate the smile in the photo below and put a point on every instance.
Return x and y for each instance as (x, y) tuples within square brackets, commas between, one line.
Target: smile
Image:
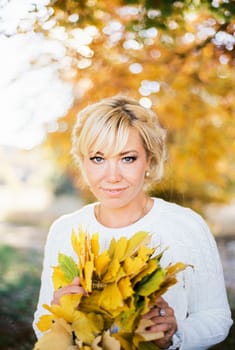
[(114, 190)]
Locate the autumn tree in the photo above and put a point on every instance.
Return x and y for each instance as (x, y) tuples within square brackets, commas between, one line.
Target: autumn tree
[(176, 57)]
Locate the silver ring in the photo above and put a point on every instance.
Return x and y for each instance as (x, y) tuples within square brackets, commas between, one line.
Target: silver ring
[(162, 312)]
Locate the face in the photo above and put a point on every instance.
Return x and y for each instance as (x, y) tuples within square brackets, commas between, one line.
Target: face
[(117, 181)]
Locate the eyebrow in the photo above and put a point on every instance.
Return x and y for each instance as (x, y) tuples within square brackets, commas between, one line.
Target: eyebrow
[(121, 154), (129, 151), (95, 153)]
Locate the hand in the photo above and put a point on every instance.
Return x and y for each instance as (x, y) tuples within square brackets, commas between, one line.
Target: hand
[(166, 324), (73, 288)]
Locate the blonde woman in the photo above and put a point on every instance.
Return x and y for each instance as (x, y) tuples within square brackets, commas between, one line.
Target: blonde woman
[(119, 148)]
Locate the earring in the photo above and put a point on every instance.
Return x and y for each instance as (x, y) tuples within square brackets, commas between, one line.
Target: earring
[(147, 173)]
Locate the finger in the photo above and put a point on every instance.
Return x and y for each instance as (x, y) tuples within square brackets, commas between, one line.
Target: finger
[(154, 312), (168, 320), (72, 289), (167, 311), (170, 311), (161, 303), (76, 281), (167, 329), (161, 327)]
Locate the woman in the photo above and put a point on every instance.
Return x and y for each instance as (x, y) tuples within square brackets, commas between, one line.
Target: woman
[(119, 147)]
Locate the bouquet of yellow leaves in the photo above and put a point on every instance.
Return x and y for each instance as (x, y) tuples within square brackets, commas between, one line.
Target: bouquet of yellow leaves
[(120, 284)]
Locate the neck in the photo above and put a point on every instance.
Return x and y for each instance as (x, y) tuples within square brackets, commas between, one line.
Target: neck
[(123, 216)]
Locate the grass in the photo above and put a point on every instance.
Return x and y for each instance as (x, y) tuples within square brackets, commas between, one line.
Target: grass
[(19, 286)]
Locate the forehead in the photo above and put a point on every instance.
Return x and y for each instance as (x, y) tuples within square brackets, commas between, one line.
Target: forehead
[(132, 141)]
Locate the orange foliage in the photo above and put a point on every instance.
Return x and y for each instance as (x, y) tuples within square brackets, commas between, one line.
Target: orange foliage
[(195, 102)]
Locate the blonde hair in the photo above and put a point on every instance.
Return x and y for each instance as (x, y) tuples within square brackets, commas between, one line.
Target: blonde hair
[(106, 125)]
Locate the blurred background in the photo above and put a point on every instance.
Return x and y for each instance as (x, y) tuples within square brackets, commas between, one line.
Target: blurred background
[(176, 57)]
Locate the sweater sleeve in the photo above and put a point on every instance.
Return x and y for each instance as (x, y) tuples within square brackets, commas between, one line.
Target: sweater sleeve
[(50, 259), (208, 318)]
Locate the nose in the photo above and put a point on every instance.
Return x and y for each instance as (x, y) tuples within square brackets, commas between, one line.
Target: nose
[(113, 172)]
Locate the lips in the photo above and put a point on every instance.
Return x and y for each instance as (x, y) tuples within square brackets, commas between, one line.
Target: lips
[(114, 190)]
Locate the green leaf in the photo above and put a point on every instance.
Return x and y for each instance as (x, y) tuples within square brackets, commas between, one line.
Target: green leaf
[(68, 266), (153, 283)]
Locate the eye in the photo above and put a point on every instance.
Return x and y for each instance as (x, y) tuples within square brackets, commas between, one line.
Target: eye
[(129, 159), (97, 159)]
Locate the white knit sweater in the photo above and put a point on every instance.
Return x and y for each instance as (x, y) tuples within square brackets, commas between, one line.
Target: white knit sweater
[(199, 298)]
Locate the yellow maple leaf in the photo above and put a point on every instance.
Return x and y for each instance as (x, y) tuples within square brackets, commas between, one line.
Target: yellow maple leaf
[(67, 308), (59, 337), (112, 271), (45, 322), (101, 263), (92, 304), (111, 298), (135, 242), (87, 326), (145, 252), (58, 278), (79, 244), (170, 278), (128, 319), (121, 283), (148, 269), (75, 243), (125, 287), (88, 272), (132, 265), (174, 269), (95, 247), (119, 248)]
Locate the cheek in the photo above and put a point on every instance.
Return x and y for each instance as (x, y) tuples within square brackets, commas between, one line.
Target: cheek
[(137, 174), (88, 173), (93, 174), (90, 176)]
